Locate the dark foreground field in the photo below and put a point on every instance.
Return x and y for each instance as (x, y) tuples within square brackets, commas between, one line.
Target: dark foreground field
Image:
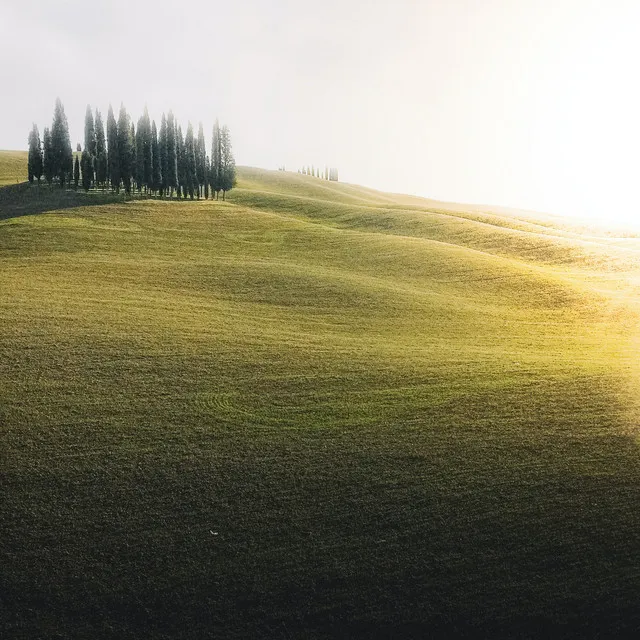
[(314, 411)]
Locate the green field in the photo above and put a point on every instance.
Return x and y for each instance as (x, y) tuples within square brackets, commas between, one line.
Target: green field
[(314, 411), (13, 167)]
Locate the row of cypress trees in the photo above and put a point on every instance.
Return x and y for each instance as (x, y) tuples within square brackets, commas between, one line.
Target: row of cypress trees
[(143, 158), (55, 162), (329, 173)]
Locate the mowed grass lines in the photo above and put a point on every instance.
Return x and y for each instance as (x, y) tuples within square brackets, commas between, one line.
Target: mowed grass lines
[(256, 419)]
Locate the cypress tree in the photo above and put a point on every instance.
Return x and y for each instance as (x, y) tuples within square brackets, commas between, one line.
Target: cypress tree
[(201, 156), (172, 154), (182, 174), (156, 177), (76, 172), (139, 156), (190, 164), (124, 149), (90, 142), (228, 162), (47, 162), (87, 169), (207, 173), (216, 160), (61, 144), (132, 155), (164, 158), (101, 151), (35, 165), (147, 151), (114, 154)]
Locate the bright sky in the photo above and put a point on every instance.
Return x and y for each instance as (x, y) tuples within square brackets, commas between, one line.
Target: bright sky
[(525, 103)]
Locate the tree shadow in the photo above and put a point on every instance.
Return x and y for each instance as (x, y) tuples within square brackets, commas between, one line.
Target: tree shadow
[(26, 199)]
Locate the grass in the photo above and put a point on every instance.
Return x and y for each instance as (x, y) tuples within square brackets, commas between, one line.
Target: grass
[(314, 411), (13, 167)]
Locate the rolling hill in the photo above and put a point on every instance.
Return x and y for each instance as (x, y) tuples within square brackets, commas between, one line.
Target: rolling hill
[(314, 410)]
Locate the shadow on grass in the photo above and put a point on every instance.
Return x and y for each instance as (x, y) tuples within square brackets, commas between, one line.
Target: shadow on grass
[(25, 199)]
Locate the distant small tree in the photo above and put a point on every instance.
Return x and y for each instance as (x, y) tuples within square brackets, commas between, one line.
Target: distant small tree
[(76, 172), (35, 162)]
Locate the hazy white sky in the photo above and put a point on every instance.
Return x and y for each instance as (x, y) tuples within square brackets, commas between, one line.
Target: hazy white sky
[(528, 103)]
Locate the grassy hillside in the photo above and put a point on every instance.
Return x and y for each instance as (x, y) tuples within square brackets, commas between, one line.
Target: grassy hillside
[(13, 167), (314, 411)]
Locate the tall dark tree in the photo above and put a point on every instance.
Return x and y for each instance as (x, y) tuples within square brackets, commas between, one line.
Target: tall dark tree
[(47, 160), (132, 156), (90, 142), (87, 169), (124, 148), (190, 164), (101, 151), (86, 164), (207, 173), (164, 157), (138, 170), (76, 172), (61, 144), (172, 154), (156, 177), (114, 153), (182, 170), (35, 164), (228, 162), (216, 160), (201, 156), (147, 150)]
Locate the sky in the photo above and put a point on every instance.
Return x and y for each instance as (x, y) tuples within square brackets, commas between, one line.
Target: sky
[(532, 104)]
